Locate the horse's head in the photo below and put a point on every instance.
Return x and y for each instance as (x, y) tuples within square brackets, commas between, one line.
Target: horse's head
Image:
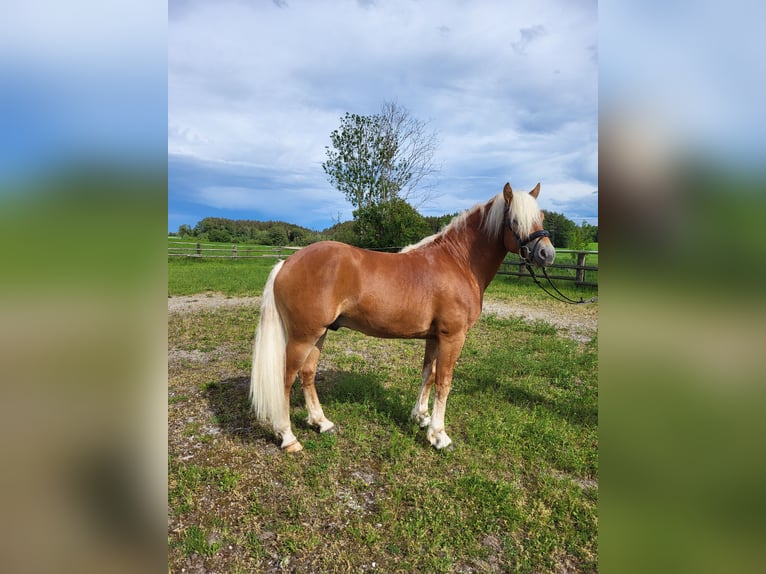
[(523, 231)]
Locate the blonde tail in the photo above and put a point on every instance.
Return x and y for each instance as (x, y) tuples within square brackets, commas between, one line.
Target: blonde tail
[(267, 382)]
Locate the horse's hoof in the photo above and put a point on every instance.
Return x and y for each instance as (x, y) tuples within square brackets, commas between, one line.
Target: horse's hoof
[(449, 448), (332, 430), (293, 447)]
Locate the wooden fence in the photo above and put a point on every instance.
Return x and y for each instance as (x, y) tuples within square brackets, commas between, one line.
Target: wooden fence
[(235, 251), (571, 264)]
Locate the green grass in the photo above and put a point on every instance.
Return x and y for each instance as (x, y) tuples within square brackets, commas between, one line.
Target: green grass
[(246, 277), (519, 492), (241, 277)]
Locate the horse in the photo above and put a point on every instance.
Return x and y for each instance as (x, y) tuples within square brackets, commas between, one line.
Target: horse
[(432, 290)]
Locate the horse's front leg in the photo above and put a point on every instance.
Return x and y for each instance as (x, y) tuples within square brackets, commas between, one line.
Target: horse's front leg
[(449, 351), (419, 412)]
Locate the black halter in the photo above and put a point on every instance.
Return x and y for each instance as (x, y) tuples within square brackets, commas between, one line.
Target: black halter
[(525, 253)]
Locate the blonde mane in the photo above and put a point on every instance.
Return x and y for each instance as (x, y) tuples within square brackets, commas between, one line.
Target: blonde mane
[(523, 213)]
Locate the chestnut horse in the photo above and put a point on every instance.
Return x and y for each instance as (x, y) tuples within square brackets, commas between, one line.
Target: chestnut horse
[(432, 290)]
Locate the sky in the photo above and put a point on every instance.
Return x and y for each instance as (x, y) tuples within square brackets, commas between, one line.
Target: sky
[(256, 88), (83, 80)]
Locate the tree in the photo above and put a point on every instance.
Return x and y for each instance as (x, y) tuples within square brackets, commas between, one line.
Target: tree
[(278, 236), (185, 230), (561, 228), (376, 160), (578, 238), (394, 223), (413, 152)]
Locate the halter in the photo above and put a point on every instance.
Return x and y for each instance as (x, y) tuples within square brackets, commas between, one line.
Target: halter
[(525, 253)]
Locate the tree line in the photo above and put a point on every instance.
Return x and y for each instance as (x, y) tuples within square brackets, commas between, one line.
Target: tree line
[(223, 230), (382, 164), (409, 227)]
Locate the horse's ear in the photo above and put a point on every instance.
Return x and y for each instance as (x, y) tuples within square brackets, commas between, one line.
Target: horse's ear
[(508, 193), (536, 191)]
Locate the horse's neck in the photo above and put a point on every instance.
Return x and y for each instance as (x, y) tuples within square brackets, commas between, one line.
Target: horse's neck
[(481, 254)]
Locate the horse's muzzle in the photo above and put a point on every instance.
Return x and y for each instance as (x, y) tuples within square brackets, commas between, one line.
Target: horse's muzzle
[(543, 253)]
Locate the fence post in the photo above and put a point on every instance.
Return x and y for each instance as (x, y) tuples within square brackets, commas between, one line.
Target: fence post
[(234, 251), (199, 250), (580, 272)]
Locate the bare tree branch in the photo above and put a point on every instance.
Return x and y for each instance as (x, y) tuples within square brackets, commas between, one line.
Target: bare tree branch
[(380, 158)]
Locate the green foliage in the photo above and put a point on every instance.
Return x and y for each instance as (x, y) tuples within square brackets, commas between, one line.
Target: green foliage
[(277, 236), (391, 224), (590, 232), (361, 162), (342, 231), (223, 230), (560, 227), (566, 234), (583, 235), (437, 223), (377, 161)]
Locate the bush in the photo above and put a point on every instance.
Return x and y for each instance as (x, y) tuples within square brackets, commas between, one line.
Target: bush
[(391, 224)]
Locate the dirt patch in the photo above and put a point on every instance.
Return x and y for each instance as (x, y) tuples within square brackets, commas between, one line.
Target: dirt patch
[(579, 322), (192, 303)]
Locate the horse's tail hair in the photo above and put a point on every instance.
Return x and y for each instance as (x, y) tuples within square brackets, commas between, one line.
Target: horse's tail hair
[(267, 381)]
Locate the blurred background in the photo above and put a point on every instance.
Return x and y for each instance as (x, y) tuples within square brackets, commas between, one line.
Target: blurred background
[(83, 182), (682, 316)]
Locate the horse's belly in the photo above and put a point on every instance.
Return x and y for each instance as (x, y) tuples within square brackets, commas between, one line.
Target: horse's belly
[(386, 326)]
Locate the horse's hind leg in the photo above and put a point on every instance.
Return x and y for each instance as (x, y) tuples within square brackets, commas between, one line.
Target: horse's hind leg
[(308, 371), (419, 412), (296, 354)]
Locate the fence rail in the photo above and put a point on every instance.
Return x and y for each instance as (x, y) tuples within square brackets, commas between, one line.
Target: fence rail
[(513, 265), (580, 268), (235, 251)]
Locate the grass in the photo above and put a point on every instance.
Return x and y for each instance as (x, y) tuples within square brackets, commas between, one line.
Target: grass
[(246, 277), (518, 493), (240, 277)]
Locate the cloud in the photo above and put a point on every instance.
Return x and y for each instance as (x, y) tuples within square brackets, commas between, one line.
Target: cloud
[(528, 35), (258, 86), (583, 205)]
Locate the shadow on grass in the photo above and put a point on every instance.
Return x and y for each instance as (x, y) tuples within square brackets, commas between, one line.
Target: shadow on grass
[(575, 409), (230, 402), (335, 386)]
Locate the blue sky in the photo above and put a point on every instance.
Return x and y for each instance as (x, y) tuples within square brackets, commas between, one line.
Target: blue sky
[(81, 81), (255, 88)]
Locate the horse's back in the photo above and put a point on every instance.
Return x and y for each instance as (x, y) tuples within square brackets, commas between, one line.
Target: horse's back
[(331, 269)]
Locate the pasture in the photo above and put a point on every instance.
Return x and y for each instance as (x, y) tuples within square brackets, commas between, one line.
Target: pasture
[(246, 277), (518, 493)]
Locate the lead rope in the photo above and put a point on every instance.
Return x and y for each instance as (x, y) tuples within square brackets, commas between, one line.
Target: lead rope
[(560, 296), (524, 254)]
